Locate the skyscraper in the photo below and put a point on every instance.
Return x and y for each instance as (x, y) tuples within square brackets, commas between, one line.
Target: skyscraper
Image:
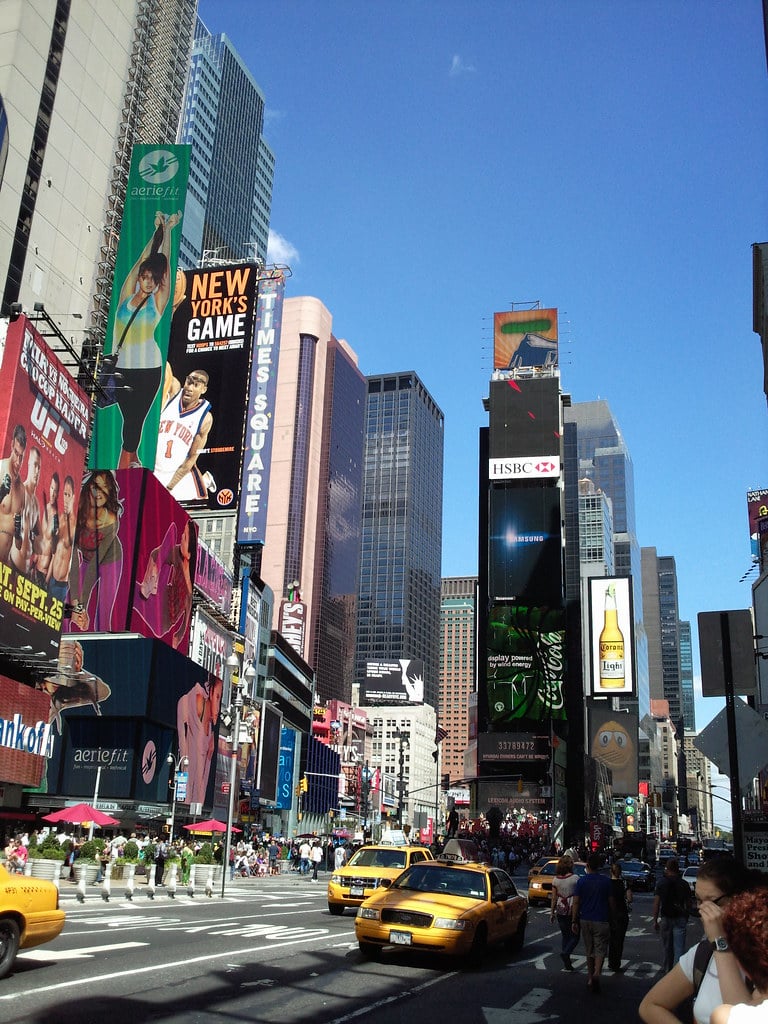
[(81, 83), (315, 486), (686, 677), (604, 460), (399, 592), (662, 626), (458, 629), (229, 196)]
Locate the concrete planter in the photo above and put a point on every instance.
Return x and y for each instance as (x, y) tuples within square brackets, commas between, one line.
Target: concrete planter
[(89, 870), (47, 869)]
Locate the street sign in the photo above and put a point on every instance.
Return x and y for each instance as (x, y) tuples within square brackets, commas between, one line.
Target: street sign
[(752, 732)]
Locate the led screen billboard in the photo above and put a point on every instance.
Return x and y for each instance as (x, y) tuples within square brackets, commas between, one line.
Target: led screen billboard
[(257, 450), (613, 742), (524, 545), (134, 559), (757, 509), (524, 337), (44, 417), (270, 731), (124, 704), (524, 420), (136, 346), (525, 669), (398, 681), (199, 445), (612, 636)]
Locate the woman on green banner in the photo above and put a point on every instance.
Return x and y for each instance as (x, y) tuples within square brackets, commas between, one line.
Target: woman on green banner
[(143, 299)]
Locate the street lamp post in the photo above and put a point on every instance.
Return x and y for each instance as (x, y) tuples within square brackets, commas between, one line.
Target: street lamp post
[(178, 763), (402, 739), (233, 663)]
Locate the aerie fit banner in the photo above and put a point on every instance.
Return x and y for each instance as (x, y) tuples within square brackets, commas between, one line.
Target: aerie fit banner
[(133, 373)]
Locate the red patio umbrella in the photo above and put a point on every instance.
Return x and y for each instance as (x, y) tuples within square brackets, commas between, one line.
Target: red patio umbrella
[(80, 814), (212, 825)]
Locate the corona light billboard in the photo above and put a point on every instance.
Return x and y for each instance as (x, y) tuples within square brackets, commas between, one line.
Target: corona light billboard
[(199, 446), (44, 418), (612, 636)]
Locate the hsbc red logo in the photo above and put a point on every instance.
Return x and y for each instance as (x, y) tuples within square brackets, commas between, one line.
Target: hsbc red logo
[(524, 468)]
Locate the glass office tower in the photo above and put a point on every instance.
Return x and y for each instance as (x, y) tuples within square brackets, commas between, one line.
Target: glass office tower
[(604, 460), (399, 594), (229, 196)]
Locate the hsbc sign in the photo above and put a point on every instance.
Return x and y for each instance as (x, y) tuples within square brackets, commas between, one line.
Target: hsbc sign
[(527, 468)]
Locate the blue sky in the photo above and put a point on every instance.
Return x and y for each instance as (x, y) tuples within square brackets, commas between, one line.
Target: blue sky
[(438, 161)]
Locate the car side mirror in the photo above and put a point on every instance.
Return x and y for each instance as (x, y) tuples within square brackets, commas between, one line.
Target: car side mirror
[(385, 883)]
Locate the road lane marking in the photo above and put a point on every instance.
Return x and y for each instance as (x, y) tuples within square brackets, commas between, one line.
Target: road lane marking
[(76, 954), (247, 951)]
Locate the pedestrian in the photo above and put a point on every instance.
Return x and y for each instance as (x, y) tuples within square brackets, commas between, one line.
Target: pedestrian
[(708, 972), (340, 856), (619, 919), (745, 929), (274, 853), (304, 851), (187, 856), (161, 855), (316, 856), (592, 903), (671, 905), (563, 887)]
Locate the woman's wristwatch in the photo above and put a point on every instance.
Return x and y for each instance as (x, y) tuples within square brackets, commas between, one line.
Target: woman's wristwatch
[(720, 945)]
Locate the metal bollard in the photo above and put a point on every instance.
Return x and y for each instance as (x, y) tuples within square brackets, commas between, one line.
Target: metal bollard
[(81, 882), (129, 882), (170, 885), (106, 885), (209, 882), (191, 883)]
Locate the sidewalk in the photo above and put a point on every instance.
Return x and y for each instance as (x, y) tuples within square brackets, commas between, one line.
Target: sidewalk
[(69, 893)]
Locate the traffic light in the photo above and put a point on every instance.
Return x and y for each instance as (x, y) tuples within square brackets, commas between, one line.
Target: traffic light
[(630, 813), (297, 790), (304, 784)]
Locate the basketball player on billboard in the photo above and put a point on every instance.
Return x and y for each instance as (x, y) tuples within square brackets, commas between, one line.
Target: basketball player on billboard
[(185, 423)]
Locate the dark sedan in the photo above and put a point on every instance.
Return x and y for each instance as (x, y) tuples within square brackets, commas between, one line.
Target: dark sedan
[(638, 875)]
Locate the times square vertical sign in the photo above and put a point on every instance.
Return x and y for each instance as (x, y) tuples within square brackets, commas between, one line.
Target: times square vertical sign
[(259, 427)]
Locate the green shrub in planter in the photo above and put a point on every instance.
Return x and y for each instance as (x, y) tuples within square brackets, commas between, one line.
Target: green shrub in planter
[(131, 852), (89, 851), (204, 855), (50, 849)]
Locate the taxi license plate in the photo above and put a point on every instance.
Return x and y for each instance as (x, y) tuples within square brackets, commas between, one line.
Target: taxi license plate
[(400, 938), (357, 890)]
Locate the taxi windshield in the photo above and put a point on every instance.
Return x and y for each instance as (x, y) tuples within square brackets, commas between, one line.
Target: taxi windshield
[(444, 880), (378, 859)]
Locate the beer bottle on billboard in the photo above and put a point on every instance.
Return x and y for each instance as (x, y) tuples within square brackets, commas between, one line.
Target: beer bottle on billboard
[(611, 645)]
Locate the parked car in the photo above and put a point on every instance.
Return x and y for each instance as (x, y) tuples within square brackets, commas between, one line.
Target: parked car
[(540, 884), (368, 868), (440, 907), (29, 915), (638, 875)]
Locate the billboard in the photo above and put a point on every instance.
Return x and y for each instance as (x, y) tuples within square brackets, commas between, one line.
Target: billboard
[(284, 799), (210, 644), (25, 733), (293, 624), (136, 345), (133, 566), (525, 670), (513, 746), (257, 450), (611, 636), (393, 682), (199, 445), (213, 579), (124, 704), (44, 418), (524, 544), (524, 337), (757, 509), (613, 742), (524, 419), (270, 732)]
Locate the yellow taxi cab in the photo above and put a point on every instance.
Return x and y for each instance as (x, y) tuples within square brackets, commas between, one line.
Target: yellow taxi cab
[(368, 868), (456, 908), (540, 882), (29, 915)]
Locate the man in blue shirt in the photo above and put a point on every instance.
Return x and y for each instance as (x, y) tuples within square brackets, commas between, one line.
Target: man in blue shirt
[(592, 905)]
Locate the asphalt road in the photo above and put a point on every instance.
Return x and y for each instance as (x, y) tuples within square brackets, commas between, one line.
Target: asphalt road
[(271, 952)]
